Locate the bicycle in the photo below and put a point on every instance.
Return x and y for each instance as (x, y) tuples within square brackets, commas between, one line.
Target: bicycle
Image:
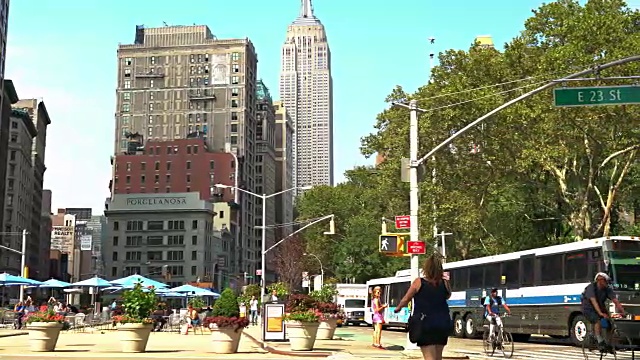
[(614, 338), (503, 341)]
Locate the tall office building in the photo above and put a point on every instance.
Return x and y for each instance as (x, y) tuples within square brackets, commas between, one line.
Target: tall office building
[(178, 82), (8, 96), (307, 93), (284, 169)]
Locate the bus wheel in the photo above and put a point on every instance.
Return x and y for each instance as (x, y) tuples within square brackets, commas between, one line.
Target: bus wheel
[(470, 330), (458, 326), (578, 331)]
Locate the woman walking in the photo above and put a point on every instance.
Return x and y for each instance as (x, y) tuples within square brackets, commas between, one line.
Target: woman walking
[(378, 317), (430, 296)]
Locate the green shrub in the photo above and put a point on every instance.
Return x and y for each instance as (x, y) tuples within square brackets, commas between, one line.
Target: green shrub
[(197, 302), (326, 294), (226, 305)]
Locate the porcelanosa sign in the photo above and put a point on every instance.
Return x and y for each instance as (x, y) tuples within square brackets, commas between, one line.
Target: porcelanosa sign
[(157, 202)]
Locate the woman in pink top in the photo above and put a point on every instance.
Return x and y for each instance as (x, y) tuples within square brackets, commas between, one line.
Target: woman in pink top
[(378, 317)]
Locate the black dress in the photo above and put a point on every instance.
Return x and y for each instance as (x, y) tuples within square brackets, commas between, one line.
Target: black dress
[(431, 300)]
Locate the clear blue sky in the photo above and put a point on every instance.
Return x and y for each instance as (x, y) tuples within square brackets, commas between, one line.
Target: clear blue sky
[(65, 52)]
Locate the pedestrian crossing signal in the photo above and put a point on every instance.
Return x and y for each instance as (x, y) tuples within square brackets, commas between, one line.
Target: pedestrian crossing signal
[(392, 244)]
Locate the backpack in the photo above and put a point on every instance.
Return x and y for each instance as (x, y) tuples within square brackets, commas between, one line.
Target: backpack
[(498, 300)]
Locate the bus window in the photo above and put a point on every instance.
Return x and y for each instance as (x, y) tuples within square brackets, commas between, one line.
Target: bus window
[(492, 275), (397, 292), (576, 266), (459, 279), (370, 295), (511, 272), (551, 268), (476, 274), (527, 267)]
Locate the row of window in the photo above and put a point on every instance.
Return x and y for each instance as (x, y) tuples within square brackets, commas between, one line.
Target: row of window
[(143, 179), (154, 240), (193, 58), (171, 270), (554, 269), (174, 255), (143, 165), (139, 225)]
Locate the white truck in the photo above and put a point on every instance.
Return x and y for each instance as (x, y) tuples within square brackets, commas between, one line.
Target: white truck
[(352, 298)]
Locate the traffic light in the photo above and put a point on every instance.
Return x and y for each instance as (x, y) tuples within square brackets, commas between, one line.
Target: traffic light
[(392, 244), (26, 272)]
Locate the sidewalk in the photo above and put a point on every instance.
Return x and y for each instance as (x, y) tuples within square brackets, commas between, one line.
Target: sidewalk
[(341, 348)]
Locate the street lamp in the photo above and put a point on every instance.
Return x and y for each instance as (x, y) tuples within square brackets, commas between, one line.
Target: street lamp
[(321, 268), (264, 198), (23, 253)]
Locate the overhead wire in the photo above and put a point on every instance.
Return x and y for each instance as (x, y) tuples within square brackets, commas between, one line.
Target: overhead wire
[(293, 223)]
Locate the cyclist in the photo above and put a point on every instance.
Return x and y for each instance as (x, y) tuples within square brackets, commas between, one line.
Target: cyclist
[(593, 306), (492, 308)]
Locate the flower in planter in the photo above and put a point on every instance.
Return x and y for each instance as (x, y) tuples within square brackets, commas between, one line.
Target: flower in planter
[(301, 307), (329, 310), (137, 306), (226, 313), (47, 316)]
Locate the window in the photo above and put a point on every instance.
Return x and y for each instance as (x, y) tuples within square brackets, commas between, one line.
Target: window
[(511, 271), (134, 225), (221, 214), (234, 128), (13, 155), (14, 125), (194, 224), (551, 267), (142, 179), (115, 241), (126, 107), (155, 225), (235, 56), (126, 96), (155, 240), (235, 80), (175, 255), (133, 256), (175, 240), (127, 84), (114, 256), (234, 103), (157, 167), (194, 270), (134, 241), (194, 240), (168, 178), (397, 292), (127, 61), (188, 165), (194, 255), (143, 166), (116, 226), (235, 92), (491, 275), (128, 179), (188, 178), (459, 279), (114, 271), (576, 266), (176, 224), (212, 165), (527, 264), (175, 270), (195, 147), (154, 255), (14, 137), (476, 274), (168, 165), (235, 68), (156, 178), (234, 116)]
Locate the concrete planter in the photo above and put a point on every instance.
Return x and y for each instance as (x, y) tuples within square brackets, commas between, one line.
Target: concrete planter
[(134, 337), (225, 339), (327, 329), (43, 336), (302, 335)]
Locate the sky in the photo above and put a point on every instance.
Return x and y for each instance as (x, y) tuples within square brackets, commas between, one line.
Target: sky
[(65, 53)]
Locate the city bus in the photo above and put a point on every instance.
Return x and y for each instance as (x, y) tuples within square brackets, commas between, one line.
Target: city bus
[(542, 286)]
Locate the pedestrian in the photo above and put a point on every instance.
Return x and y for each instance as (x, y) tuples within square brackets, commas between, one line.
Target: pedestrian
[(378, 317), (430, 295), (253, 307)]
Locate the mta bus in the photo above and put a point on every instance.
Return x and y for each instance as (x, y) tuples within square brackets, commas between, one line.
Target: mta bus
[(542, 287)]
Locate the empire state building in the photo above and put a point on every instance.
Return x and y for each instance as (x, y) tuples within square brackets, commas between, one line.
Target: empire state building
[(307, 94)]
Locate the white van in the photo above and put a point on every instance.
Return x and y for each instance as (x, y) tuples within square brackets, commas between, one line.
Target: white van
[(352, 298)]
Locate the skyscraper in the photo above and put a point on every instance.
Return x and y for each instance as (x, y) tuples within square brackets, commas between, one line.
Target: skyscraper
[(307, 93)]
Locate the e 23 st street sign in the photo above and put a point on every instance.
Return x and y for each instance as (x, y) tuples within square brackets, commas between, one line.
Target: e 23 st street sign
[(594, 96)]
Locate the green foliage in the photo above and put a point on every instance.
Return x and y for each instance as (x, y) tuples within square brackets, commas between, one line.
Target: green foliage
[(197, 302), (138, 304), (226, 305), (302, 307), (325, 295), (249, 291), (532, 175), (282, 289)]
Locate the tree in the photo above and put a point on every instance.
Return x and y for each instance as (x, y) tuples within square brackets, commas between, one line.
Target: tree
[(287, 261)]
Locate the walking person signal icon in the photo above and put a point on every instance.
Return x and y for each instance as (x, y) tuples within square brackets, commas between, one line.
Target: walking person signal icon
[(392, 244)]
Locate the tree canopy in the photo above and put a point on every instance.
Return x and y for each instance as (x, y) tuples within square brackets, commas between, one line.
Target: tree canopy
[(531, 175)]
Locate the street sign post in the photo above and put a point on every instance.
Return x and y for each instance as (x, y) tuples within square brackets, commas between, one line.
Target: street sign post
[(594, 96), (403, 222), (416, 247)]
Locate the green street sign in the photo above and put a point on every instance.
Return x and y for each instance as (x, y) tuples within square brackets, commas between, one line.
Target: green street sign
[(594, 96)]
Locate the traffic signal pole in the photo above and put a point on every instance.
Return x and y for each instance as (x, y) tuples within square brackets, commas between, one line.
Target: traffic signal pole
[(414, 205)]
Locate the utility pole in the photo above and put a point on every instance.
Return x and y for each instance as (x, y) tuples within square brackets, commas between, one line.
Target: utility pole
[(23, 261), (432, 41), (442, 236)]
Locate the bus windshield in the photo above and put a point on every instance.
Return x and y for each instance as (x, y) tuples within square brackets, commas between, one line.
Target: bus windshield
[(625, 269), (359, 304)]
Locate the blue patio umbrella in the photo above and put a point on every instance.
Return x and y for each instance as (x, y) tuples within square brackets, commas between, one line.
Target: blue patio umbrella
[(11, 280), (190, 290), (54, 284), (93, 282), (132, 280)]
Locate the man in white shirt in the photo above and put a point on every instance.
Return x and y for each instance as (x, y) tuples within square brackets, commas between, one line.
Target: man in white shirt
[(253, 307)]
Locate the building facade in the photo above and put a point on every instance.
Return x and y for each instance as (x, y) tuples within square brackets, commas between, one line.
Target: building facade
[(266, 167), (44, 265), (63, 244), (8, 97), (306, 91), (98, 226), (284, 169), (19, 192), (39, 246), (184, 166), (178, 82), (147, 232)]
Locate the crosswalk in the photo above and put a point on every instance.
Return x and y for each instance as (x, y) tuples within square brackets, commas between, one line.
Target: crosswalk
[(544, 354)]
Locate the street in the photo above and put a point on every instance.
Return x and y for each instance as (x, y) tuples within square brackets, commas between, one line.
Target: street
[(538, 348)]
